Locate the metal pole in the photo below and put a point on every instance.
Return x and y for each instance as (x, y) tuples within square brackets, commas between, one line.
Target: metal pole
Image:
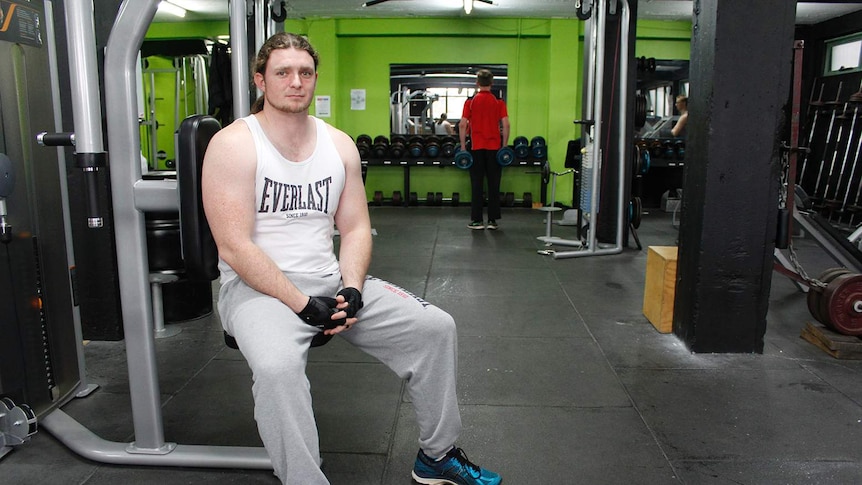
[(90, 153), (239, 58)]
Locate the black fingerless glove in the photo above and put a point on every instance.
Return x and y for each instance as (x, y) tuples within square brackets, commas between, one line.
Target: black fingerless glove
[(318, 312), (354, 299)]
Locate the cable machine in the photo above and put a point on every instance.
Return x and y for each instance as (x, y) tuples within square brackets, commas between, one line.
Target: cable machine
[(131, 197), (189, 96), (596, 129)]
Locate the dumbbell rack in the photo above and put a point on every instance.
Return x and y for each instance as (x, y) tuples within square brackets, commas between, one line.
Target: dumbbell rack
[(413, 151)]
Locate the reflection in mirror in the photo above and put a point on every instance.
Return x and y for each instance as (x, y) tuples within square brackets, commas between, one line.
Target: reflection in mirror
[(423, 95), (661, 85)]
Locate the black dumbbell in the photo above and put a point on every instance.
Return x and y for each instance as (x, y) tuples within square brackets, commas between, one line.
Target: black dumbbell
[(363, 144), (538, 148), (397, 147), (380, 147), (522, 147)]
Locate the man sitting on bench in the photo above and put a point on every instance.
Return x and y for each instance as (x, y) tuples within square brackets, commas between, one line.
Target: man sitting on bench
[(274, 184)]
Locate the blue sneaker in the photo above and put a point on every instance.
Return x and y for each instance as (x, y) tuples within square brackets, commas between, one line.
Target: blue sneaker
[(452, 469)]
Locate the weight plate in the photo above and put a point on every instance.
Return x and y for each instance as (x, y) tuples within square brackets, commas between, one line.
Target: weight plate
[(815, 296), (841, 305)]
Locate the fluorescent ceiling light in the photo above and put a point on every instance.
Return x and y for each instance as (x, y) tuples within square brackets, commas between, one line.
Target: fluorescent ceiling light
[(468, 6), (168, 7)]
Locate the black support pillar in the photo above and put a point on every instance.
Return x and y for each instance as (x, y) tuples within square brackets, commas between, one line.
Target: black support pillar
[(741, 54)]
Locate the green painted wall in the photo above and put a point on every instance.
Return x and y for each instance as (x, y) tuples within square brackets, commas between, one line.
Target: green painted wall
[(544, 57), (663, 39)]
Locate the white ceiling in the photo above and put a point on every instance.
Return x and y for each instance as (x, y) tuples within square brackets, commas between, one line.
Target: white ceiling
[(807, 12)]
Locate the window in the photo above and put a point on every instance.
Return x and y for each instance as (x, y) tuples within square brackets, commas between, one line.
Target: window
[(844, 55)]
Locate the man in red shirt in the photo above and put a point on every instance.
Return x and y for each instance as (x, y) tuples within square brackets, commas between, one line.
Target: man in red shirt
[(487, 120)]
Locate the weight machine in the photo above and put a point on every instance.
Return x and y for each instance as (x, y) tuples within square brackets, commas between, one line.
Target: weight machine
[(592, 153), (132, 196), (182, 69), (403, 120)]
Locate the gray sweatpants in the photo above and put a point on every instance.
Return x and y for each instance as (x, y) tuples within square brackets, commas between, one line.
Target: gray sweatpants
[(412, 337)]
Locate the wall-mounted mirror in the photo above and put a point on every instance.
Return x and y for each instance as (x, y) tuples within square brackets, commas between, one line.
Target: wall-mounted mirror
[(661, 81), (420, 94)]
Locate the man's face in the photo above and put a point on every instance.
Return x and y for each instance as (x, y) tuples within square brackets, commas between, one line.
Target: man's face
[(289, 81)]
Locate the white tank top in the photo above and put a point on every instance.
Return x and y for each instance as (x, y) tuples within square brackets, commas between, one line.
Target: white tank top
[(295, 204)]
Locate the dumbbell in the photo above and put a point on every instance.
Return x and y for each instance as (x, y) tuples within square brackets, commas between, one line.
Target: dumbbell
[(522, 147), (432, 147), (680, 150), (363, 144), (380, 147), (448, 146), (505, 156), (415, 148), (645, 161), (463, 159), (669, 150), (538, 148), (397, 147)]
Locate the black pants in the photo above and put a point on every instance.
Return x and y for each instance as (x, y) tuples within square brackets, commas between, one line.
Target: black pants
[(485, 165)]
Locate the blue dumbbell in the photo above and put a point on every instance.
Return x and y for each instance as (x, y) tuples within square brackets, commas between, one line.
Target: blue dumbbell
[(463, 159), (505, 156)]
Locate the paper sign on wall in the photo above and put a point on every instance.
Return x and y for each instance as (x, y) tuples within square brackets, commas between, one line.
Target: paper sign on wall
[(322, 107), (357, 99)]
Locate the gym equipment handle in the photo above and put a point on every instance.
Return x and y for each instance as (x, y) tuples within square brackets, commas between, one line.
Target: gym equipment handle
[(55, 139)]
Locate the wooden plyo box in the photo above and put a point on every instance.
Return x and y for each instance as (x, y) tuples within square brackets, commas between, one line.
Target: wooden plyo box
[(660, 286)]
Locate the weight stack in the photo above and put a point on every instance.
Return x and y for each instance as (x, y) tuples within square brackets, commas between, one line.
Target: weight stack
[(586, 179)]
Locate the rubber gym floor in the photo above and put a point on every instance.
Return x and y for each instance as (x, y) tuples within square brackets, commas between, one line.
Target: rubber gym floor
[(562, 379)]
